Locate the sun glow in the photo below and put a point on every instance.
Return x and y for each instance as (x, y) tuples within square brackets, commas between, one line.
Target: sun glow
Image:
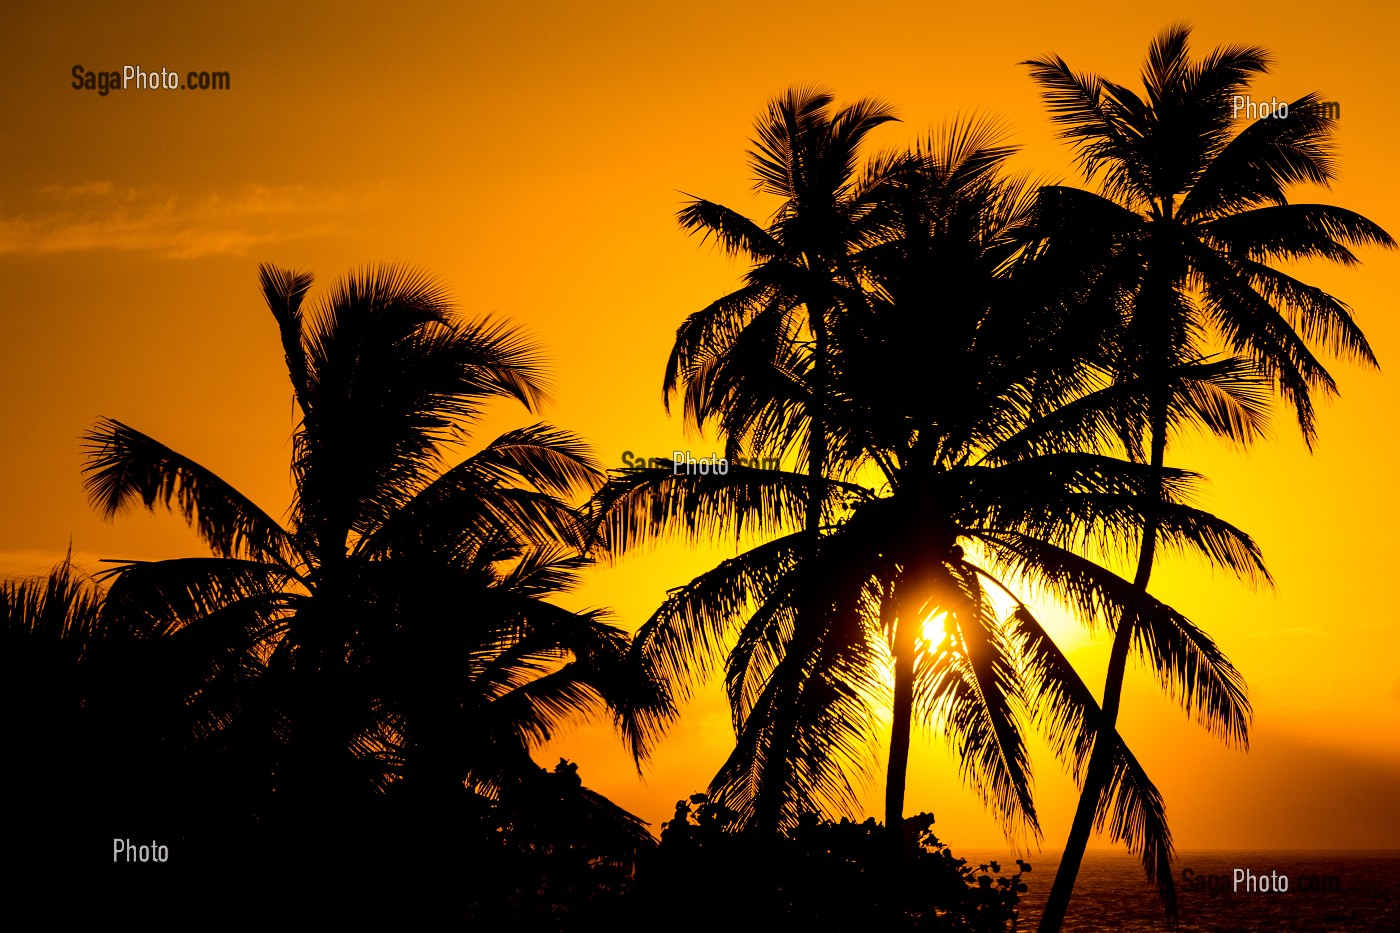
[(934, 631)]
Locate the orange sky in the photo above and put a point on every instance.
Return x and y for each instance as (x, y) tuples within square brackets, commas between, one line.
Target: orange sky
[(532, 159)]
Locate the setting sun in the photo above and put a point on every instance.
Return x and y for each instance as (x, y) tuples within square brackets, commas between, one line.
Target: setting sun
[(933, 632)]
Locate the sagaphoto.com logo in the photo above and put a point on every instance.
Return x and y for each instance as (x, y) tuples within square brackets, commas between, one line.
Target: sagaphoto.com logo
[(134, 77)]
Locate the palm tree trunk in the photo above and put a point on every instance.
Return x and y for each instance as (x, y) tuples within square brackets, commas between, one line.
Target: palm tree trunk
[(906, 630), (768, 809), (816, 442), (1100, 769), (918, 581)]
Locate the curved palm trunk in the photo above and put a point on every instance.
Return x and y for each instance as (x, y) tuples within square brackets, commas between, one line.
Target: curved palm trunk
[(1100, 769)]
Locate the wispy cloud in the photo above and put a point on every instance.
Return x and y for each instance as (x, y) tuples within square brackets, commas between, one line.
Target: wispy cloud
[(99, 215)]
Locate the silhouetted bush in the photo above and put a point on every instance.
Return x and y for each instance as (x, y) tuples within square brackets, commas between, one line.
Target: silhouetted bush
[(819, 875)]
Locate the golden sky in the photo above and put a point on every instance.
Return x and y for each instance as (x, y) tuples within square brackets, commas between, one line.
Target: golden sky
[(533, 158)]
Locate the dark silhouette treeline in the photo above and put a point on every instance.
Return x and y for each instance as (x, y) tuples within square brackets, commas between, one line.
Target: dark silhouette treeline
[(968, 383)]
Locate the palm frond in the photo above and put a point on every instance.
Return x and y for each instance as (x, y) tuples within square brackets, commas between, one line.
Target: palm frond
[(685, 638), (1094, 119), (708, 333), (124, 466), (807, 742), (971, 688), (168, 595), (1136, 816), (284, 290), (642, 505), (1256, 167), (547, 459), (733, 233), (1195, 672), (1068, 717)]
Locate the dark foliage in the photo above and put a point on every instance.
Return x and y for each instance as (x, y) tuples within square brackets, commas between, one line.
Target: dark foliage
[(817, 875)]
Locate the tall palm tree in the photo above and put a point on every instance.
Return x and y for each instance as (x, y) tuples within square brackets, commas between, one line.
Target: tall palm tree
[(987, 456), (399, 625), (757, 362), (1191, 214), (778, 324)]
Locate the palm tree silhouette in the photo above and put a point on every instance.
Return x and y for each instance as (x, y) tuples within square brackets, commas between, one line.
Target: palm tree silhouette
[(399, 626), (757, 361), (991, 457), (1191, 214)]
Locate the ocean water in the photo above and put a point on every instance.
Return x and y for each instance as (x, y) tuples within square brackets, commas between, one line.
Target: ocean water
[(1328, 892)]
